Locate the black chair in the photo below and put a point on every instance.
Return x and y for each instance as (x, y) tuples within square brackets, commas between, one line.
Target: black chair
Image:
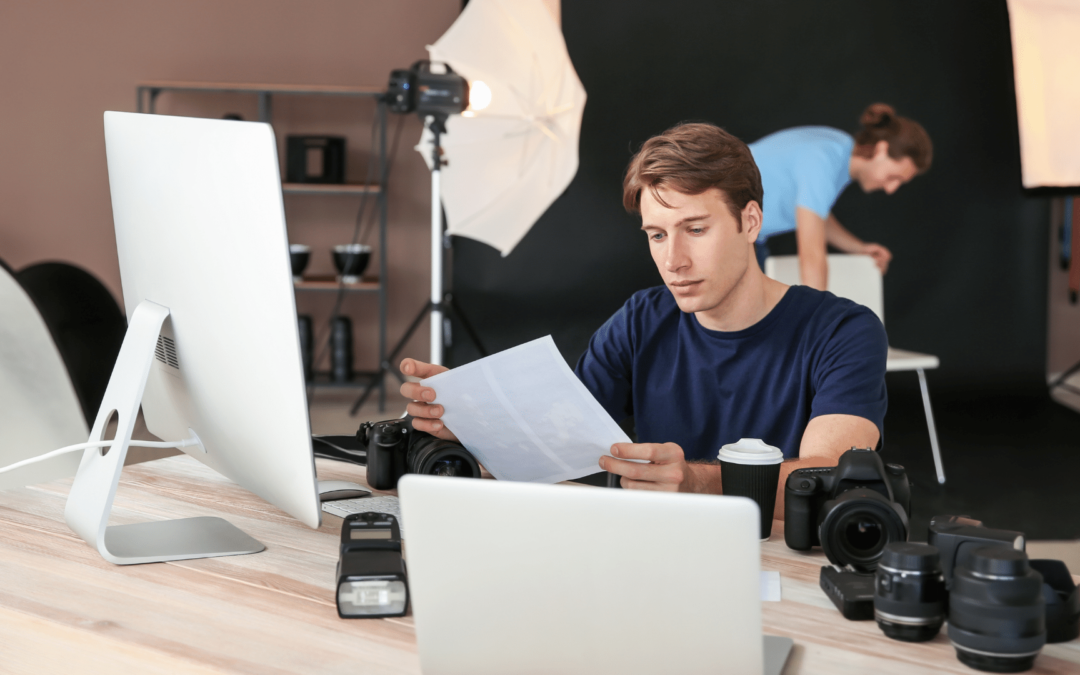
[(86, 324)]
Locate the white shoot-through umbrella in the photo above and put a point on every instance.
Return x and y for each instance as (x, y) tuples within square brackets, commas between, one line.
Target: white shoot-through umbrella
[(507, 161)]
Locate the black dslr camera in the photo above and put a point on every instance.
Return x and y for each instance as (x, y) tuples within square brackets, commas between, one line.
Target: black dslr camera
[(851, 510), (394, 449)]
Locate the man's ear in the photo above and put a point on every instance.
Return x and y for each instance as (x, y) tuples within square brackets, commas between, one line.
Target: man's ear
[(751, 220)]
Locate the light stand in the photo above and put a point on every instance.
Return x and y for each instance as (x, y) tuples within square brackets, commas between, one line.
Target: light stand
[(441, 303)]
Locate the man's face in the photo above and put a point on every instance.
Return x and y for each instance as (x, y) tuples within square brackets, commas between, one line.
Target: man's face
[(697, 246), (882, 172)]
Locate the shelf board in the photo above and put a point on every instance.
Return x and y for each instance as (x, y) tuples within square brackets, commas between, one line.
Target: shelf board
[(330, 189), (329, 283), (255, 88)]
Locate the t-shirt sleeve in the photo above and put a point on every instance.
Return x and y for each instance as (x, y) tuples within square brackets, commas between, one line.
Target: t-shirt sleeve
[(849, 375), (606, 366), (815, 188)]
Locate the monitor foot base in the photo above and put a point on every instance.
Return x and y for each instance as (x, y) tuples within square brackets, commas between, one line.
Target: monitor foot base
[(183, 539), (90, 501)]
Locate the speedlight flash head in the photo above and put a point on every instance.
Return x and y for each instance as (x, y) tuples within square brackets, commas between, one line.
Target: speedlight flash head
[(371, 572)]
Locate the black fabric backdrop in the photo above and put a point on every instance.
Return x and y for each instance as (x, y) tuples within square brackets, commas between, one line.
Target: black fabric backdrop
[(968, 281)]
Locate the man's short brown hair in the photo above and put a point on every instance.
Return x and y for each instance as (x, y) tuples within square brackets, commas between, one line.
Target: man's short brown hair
[(691, 158)]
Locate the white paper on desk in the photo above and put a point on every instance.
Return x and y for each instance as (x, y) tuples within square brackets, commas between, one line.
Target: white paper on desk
[(770, 586), (525, 415)]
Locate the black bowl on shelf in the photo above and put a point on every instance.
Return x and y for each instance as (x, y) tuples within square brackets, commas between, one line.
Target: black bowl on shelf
[(351, 260), (299, 255)]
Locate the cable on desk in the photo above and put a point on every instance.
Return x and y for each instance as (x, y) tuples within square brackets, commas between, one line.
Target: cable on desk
[(188, 442), (340, 448)]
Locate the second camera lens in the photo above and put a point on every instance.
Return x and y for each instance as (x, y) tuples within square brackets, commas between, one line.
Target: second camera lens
[(909, 592)]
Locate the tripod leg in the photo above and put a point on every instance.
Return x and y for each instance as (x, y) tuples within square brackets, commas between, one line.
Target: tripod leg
[(388, 365), (452, 305)]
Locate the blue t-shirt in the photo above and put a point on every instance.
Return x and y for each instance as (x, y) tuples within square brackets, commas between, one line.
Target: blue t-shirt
[(813, 354), (804, 166)]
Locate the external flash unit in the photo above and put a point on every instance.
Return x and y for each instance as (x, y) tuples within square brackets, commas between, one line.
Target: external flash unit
[(370, 571)]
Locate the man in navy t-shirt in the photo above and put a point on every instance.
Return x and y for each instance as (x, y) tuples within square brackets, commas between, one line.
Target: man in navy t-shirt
[(720, 352)]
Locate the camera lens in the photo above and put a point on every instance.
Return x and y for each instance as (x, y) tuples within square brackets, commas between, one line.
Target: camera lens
[(996, 611), (438, 457), (856, 526), (909, 592), (863, 534)]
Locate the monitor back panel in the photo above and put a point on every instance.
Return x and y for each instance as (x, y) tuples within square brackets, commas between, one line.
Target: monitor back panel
[(200, 229), (524, 578)]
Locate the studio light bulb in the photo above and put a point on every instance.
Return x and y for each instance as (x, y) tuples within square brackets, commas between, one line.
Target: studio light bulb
[(479, 95)]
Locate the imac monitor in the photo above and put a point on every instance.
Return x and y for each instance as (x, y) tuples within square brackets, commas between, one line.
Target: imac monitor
[(212, 351)]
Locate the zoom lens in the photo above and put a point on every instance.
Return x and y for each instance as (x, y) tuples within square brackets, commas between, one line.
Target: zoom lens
[(996, 611), (438, 457), (856, 526), (909, 592)]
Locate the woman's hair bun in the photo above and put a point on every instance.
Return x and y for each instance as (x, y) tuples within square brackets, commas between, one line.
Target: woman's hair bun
[(878, 115)]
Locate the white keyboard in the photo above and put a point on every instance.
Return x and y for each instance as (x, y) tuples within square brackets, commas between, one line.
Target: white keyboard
[(383, 504)]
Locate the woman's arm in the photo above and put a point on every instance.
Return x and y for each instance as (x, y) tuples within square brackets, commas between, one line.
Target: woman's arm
[(810, 235), (840, 237)]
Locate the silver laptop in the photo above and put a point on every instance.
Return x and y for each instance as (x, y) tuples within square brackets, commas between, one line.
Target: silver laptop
[(525, 578)]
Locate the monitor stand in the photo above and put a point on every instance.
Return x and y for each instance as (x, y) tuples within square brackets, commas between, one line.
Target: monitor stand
[(91, 498)]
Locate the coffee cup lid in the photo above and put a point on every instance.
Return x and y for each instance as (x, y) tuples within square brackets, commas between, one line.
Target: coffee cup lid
[(750, 451)]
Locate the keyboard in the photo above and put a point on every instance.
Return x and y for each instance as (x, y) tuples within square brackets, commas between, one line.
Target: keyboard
[(381, 504)]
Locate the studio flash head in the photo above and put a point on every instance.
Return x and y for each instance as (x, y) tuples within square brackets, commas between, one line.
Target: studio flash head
[(427, 88), (957, 537)]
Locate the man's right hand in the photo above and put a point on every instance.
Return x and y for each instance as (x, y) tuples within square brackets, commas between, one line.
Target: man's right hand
[(425, 412)]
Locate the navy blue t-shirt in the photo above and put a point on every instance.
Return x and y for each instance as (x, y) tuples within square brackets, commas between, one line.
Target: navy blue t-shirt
[(813, 354)]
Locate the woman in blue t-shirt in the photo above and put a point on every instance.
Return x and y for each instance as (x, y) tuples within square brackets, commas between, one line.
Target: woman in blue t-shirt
[(804, 170)]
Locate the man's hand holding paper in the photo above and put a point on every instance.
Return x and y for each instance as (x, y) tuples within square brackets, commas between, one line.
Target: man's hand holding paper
[(522, 413)]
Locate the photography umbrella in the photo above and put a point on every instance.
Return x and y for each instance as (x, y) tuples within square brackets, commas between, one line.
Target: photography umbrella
[(509, 160), (511, 154)]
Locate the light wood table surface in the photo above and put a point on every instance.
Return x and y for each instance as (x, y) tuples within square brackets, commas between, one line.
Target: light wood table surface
[(63, 609)]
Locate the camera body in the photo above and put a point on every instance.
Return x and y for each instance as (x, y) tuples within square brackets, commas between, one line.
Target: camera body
[(851, 510), (394, 449)]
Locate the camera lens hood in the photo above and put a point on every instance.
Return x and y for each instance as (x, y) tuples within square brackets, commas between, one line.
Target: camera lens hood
[(1062, 600), (857, 525)]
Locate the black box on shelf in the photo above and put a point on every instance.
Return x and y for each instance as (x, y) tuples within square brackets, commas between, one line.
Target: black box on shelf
[(315, 159)]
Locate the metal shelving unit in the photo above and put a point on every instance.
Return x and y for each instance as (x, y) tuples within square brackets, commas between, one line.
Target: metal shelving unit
[(147, 94)]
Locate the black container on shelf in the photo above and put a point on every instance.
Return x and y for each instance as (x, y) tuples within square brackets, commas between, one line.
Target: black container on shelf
[(315, 159), (307, 340), (350, 261), (341, 349)]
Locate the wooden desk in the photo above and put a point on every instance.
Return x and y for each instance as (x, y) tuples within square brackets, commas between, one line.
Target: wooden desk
[(64, 609)]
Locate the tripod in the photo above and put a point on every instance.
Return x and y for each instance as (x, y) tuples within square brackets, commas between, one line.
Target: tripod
[(441, 303)]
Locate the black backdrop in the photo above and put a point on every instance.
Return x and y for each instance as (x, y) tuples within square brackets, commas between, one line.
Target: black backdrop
[(968, 281)]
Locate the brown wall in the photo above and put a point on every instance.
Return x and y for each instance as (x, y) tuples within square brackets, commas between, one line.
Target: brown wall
[(63, 63)]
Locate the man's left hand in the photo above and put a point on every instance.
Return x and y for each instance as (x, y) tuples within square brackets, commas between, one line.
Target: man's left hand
[(666, 470)]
